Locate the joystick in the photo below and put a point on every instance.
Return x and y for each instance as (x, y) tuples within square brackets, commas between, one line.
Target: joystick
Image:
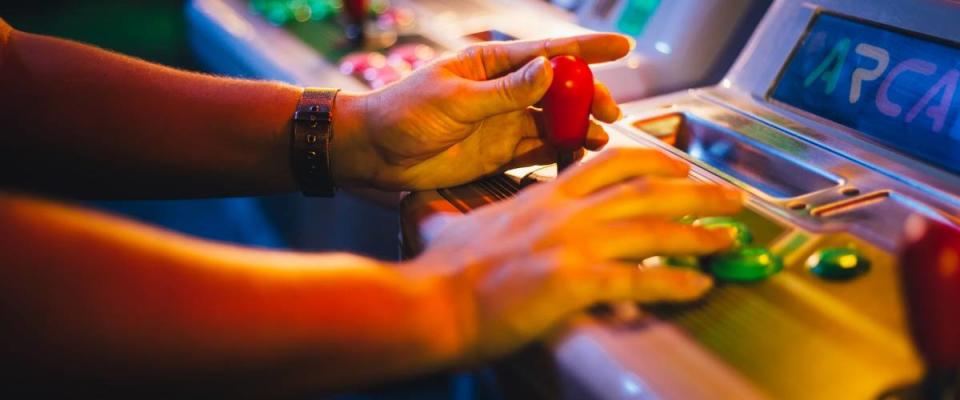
[(566, 107), (356, 16), (930, 275)]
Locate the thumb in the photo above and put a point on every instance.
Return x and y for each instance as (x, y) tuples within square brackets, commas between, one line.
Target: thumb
[(515, 91)]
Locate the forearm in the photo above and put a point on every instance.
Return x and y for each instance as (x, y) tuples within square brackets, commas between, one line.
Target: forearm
[(91, 296), (87, 122)]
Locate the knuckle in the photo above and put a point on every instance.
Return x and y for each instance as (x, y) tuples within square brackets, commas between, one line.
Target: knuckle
[(505, 92), (636, 188), (473, 51), (576, 48), (545, 47), (499, 54)]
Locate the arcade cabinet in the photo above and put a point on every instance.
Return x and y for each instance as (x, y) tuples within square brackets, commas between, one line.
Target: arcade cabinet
[(360, 45), (840, 121)]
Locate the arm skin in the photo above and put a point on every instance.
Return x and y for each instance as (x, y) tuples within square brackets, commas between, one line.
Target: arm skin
[(111, 126), (116, 301)]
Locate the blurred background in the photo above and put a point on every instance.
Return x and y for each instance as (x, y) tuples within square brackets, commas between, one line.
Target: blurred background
[(156, 30)]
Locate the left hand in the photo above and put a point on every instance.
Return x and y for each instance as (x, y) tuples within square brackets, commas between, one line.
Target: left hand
[(512, 270), (462, 117)]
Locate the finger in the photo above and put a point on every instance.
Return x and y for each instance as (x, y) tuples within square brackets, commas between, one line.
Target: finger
[(646, 237), (661, 197), (499, 58), (604, 107), (515, 91), (617, 282), (597, 137), (618, 165)]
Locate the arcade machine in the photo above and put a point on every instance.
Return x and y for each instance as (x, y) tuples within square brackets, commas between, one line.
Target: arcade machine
[(359, 45), (840, 121)]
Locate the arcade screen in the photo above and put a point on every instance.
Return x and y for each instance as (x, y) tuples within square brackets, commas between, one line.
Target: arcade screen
[(895, 86)]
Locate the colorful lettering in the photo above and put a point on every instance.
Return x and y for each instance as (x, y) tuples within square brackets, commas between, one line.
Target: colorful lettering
[(948, 85), (829, 69), (915, 65), (863, 74)]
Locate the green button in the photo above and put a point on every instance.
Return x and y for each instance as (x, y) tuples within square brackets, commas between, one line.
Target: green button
[(748, 264), (838, 263), (738, 230)]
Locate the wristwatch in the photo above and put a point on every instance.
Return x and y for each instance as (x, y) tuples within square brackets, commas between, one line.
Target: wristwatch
[(310, 142)]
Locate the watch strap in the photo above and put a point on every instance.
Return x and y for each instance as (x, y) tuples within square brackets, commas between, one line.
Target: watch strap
[(310, 142)]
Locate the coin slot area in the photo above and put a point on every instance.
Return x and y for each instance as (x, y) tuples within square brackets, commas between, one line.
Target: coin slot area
[(849, 205), (771, 170), (797, 205), (850, 191)]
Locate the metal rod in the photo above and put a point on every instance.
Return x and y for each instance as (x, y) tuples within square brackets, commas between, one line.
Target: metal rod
[(564, 160)]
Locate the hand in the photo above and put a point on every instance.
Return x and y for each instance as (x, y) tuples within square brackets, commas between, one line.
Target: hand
[(513, 269), (462, 117)]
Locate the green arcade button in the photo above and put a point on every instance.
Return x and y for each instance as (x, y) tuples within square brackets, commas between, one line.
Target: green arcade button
[(741, 234), (749, 264), (838, 263)]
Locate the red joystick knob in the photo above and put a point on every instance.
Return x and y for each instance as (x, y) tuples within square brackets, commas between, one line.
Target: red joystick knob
[(566, 106), (356, 10), (930, 274)]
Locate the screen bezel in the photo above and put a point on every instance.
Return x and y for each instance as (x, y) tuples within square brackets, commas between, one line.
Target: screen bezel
[(768, 95)]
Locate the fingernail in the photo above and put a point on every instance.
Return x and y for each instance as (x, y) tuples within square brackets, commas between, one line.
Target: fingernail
[(699, 282), (534, 70), (729, 236), (733, 195)]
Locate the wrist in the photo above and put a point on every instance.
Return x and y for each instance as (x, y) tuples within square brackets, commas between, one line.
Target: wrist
[(439, 317), (353, 159)]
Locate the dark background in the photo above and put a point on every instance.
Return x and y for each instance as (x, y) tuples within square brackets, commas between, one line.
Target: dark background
[(155, 31), (150, 29)]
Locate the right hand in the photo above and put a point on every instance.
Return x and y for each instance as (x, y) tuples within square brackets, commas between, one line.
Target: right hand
[(464, 116), (513, 269)]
